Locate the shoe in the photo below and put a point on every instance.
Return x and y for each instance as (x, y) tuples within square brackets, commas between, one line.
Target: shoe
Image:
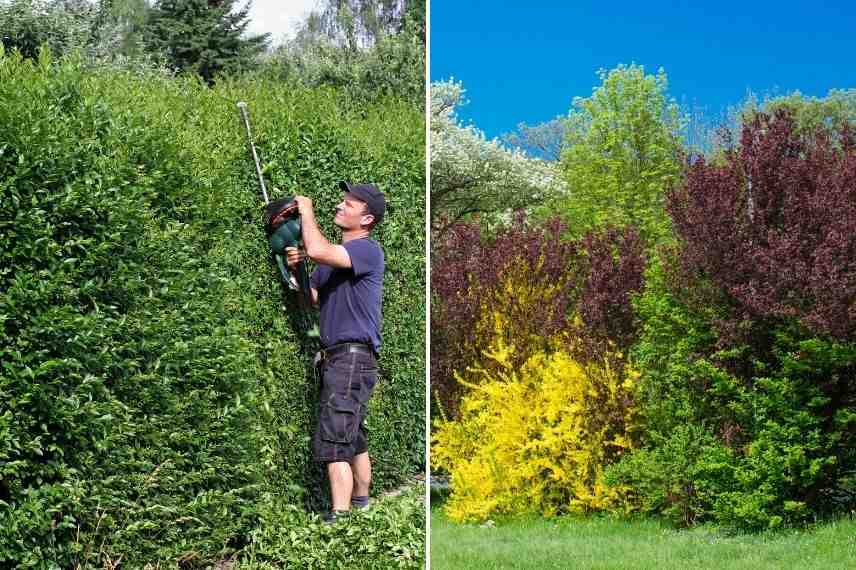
[(335, 516)]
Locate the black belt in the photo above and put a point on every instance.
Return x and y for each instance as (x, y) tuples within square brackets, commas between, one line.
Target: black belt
[(344, 348)]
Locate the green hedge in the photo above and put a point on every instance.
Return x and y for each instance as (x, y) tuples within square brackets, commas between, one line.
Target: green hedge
[(154, 385)]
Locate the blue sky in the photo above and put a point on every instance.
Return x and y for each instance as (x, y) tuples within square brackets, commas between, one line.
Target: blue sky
[(525, 61)]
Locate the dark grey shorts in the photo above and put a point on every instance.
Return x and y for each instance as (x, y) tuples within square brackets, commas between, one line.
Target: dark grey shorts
[(347, 381)]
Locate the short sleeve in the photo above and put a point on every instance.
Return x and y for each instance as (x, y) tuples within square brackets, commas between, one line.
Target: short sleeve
[(366, 256), (319, 277)]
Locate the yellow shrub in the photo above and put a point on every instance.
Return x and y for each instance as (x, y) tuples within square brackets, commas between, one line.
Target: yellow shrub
[(535, 439), (516, 317)]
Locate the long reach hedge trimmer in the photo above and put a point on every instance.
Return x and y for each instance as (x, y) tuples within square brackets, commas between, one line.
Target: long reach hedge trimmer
[(282, 228)]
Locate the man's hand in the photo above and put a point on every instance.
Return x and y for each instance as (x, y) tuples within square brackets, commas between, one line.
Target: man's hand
[(304, 204), (293, 256), (318, 249)]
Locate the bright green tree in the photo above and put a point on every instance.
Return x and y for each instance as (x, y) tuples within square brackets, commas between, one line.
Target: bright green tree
[(622, 153), (203, 36), (836, 110)]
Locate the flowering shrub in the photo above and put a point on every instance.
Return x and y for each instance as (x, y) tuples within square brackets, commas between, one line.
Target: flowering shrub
[(471, 175), (523, 277), (536, 285), (535, 438)]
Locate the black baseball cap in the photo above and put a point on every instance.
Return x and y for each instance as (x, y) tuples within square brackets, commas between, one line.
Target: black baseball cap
[(369, 194)]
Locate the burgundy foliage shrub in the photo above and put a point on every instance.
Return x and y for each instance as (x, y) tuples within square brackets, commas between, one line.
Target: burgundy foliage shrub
[(774, 227), (613, 266)]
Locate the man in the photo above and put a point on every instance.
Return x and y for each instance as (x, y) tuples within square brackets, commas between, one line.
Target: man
[(347, 284)]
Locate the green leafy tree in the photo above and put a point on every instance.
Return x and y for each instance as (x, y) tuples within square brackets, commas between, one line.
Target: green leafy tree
[(370, 49), (355, 24), (121, 24), (60, 24), (622, 153), (810, 114), (107, 31), (714, 136), (203, 36)]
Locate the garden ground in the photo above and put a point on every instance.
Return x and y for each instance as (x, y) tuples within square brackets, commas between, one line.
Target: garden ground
[(606, 543), (390, 534)]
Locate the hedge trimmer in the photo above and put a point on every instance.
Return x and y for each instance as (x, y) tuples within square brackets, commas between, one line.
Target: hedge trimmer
[(282, 228)]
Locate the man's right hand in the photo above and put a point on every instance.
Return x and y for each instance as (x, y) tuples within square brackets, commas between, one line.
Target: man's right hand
[(293, 256)]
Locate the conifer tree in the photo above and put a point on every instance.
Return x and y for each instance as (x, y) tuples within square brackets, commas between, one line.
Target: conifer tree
[(203, 36)]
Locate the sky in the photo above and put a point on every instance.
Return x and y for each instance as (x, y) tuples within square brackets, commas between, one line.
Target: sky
[(526, 61), (277, 17)]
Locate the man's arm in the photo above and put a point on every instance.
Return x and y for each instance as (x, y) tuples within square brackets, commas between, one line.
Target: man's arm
[(317, 247)]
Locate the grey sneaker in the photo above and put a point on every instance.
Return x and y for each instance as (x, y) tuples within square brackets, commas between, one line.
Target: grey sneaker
[(335, 516)]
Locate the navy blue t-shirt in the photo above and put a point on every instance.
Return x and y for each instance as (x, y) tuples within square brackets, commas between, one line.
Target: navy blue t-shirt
[(350, 298)]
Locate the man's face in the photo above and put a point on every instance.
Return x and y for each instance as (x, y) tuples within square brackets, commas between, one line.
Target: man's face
[(352, 213)]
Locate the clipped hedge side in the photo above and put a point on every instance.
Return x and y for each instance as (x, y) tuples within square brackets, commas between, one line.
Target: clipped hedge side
[(152, 387)]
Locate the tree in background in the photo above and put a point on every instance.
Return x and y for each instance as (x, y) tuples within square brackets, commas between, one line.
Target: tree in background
[(60, 24), (471, 175), (828, 114), (355, 24), (122, 23), (622, 153), (714, 136), (543, 141), (106, 31), (203, 36), (775, 226), (371, 49)]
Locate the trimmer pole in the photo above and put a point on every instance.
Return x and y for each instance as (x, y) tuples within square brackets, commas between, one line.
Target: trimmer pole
[(243, 107), (300, 280)]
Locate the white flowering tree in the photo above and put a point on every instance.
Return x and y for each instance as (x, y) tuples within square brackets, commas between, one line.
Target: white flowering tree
[(471, 175)]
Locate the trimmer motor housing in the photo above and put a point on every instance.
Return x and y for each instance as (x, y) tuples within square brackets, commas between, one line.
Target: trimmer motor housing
[(282, 224), (282, 228)]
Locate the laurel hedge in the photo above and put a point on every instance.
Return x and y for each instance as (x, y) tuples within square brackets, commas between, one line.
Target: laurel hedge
[(154, 383)]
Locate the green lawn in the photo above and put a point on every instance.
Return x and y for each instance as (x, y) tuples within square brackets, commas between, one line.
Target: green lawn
[(613, 544)]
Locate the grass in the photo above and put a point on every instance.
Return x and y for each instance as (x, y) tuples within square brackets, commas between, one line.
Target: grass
[(605, 543)]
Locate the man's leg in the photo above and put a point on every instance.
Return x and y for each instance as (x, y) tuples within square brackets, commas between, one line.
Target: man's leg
[(341, 485), (362, 469)]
